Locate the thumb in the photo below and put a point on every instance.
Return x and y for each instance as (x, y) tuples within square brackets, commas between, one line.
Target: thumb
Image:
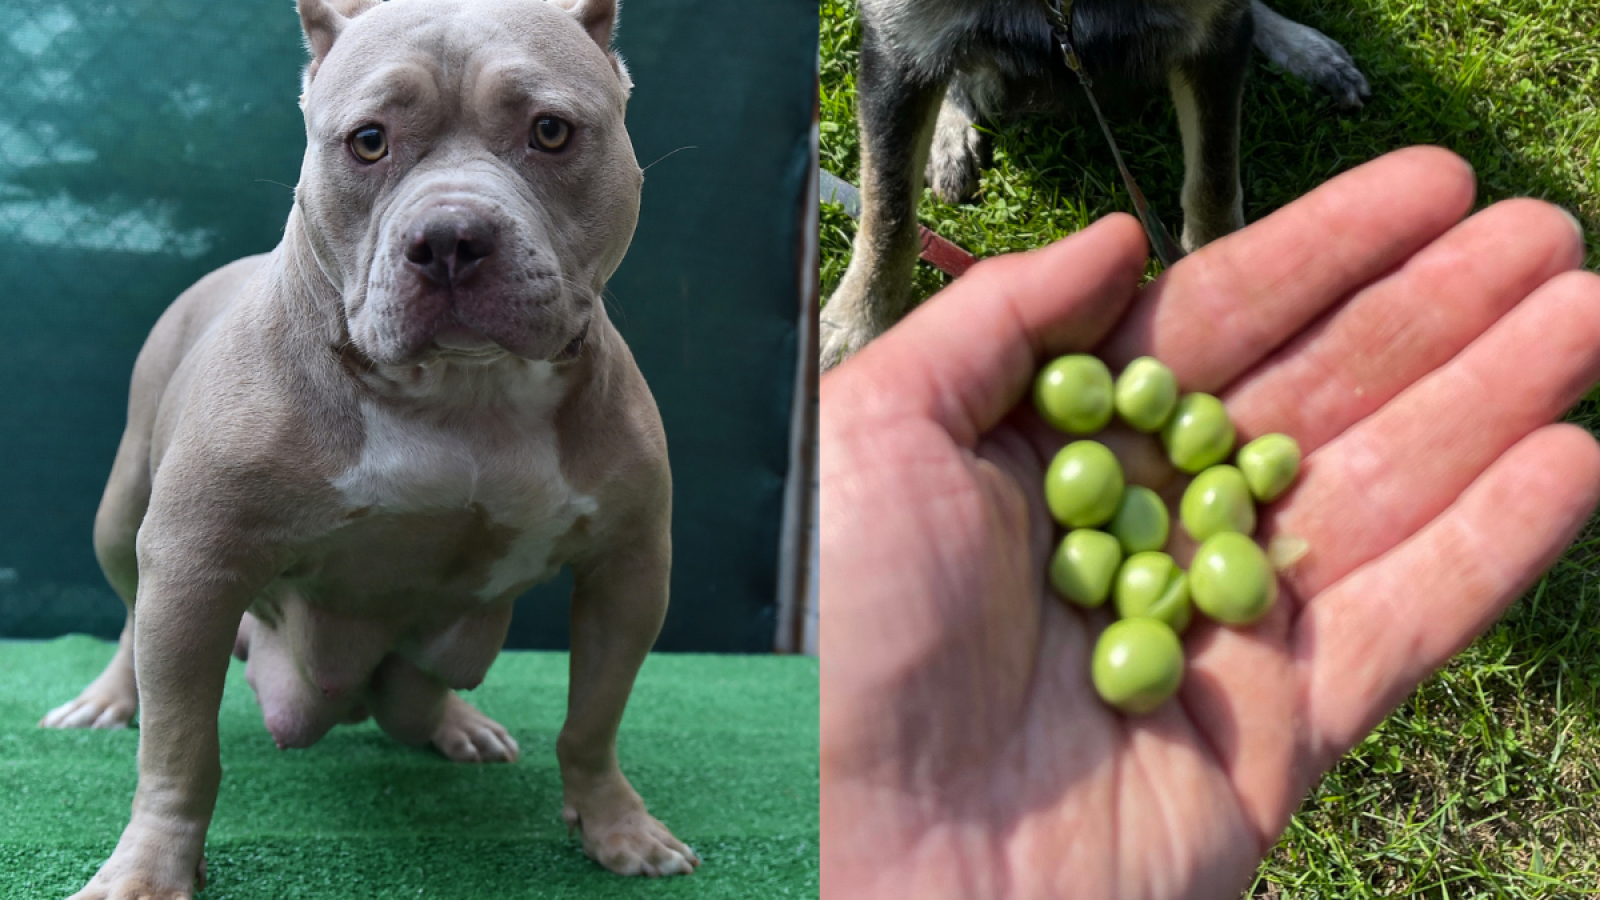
[(966, 356)]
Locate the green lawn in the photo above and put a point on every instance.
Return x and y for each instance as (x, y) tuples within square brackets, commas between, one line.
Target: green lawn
[(1486, 782)]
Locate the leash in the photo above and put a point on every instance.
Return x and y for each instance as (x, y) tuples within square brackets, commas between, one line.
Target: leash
[(1059, 14)]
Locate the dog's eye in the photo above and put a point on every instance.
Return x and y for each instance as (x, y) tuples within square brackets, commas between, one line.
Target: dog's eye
[(369, 144), (550, 134)]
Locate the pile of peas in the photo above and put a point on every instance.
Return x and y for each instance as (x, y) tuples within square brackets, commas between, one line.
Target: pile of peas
[(1116, 533)]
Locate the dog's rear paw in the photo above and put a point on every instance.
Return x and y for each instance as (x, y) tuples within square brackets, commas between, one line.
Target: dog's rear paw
[(99, 706), (633, 844), (952, 173), (955, 159), (1338, 76), (466, 735)]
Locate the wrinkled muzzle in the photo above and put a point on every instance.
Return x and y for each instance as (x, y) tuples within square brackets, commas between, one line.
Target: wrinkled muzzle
[(462, 269)]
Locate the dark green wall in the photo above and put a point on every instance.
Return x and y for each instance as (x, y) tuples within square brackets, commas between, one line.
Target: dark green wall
[(147, 142)]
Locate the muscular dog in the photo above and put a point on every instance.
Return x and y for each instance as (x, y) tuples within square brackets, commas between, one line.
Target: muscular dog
[(932, 69), (345, 459)]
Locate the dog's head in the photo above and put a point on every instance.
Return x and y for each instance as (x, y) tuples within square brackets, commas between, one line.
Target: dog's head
[(468, 184)]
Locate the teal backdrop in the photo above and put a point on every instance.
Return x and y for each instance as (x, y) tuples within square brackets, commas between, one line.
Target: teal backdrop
[(145, 142)]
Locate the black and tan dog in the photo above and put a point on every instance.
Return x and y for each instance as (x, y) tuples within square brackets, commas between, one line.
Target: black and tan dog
[(931, 69)]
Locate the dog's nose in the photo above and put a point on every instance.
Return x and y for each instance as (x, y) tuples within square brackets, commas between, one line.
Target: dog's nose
[(446, 249)]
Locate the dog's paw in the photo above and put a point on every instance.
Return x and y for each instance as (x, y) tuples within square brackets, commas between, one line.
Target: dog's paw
[(632, 843), (955, 159), (1319, 60), (126, 889), (838, 339), (138, 885), (100, 705), (466, 735), (1335, 73), (953, 177)]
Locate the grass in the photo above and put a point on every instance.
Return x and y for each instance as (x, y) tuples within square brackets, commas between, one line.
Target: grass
[(1485, 783), (723, 748)]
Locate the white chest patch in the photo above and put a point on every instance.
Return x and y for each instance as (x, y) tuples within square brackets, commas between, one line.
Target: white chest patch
[(504, 459)]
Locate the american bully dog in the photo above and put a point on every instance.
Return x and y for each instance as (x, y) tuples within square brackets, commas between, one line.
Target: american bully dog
[(932, 69), (345, 459)]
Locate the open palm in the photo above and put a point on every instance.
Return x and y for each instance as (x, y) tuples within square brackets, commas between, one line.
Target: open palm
[(1418, 360)]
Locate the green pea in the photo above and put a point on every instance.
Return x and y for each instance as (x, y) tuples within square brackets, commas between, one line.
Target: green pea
[(1270, 464), (1137, 665), (1146, 394), (1141, 521), (1083, 566), (1151, 585), (1199, 435), (1073, 394), (1231, 580), (1217, 500), (1083, 485)]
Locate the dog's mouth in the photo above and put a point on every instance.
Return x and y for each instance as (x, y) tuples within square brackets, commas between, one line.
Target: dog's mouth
[(463, 343), (570, 352)]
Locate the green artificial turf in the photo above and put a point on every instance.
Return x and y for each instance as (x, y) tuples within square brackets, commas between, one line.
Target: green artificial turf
[(723, 748)]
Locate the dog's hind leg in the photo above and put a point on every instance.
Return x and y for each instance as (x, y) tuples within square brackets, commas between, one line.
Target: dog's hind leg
[(1311, 56), (897, 112), (415, 708), (960, 150), (1207, 91), (111, 699)]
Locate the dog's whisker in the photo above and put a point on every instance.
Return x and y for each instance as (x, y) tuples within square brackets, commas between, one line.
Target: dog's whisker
[(666, 155)]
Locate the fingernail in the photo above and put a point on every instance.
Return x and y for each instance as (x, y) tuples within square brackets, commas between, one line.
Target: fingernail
[(1576, 225)]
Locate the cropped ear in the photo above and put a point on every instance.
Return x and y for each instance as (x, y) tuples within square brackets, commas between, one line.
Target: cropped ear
[(322, 20), (599, 19)]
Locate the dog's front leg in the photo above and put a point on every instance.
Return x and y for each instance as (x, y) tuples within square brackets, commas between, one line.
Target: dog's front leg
[(184, 627), (897, 110), (1207, 91), (618, 603)]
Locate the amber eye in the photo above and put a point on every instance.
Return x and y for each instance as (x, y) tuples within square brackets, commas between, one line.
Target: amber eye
[(550, 134), (369, 144)]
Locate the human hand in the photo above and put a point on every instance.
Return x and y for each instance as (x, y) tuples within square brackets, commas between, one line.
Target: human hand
[(1417, 359)]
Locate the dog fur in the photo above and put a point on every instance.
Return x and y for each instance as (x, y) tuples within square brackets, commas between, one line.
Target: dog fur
[(932, 69)]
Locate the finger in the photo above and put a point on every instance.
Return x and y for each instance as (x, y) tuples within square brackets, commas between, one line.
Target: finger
[(1375, 635), (1396, 470), (1407, 324), (965, 356), (1221, 310)]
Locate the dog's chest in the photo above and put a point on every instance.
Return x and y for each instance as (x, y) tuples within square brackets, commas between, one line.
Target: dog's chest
[(467, 504)]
